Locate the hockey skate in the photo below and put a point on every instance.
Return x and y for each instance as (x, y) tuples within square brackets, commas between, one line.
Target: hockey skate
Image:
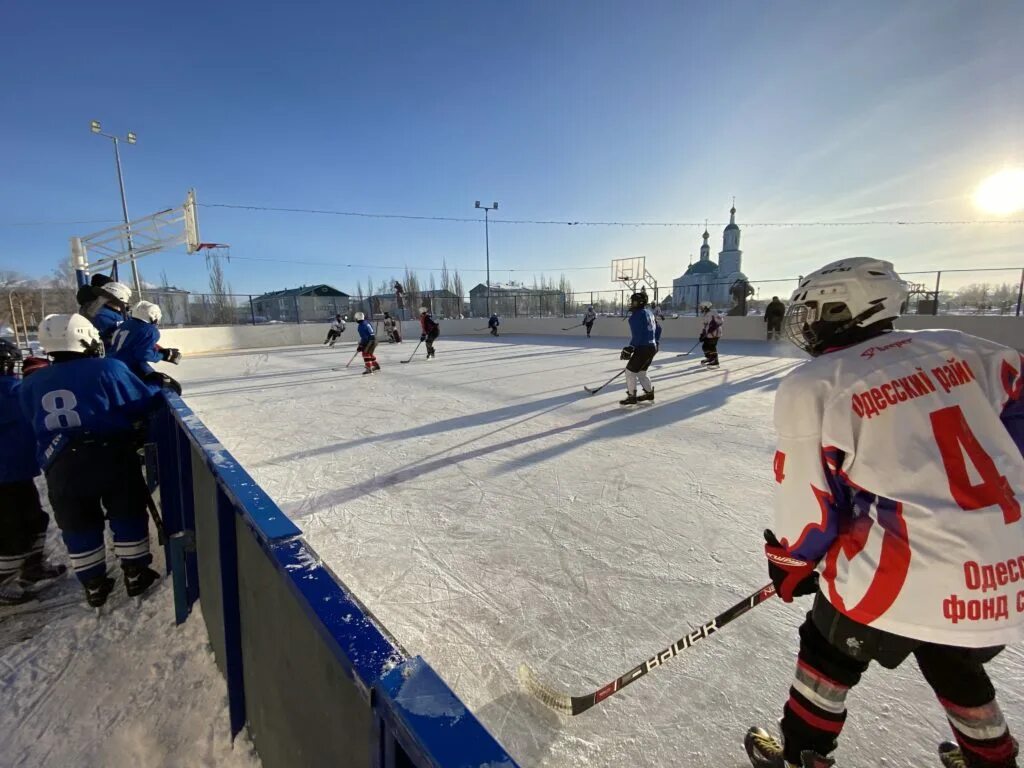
[(953, 757), (13, 592), (97, 590), (765, 751), (376, 366), (630, 399), (138, 578), (367, 371), (646, 396), (37, 573)]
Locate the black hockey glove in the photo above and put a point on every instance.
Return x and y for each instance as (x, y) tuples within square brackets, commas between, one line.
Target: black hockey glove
[(626, 353), (702, 338), (359, 348), (423, 337), (170, 355), (791, 576), (163, 381)]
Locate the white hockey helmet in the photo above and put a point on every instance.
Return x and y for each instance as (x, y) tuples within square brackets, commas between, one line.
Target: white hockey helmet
[(423, 310), (359, 316), (117, 291), (148, 312), (846, 294), (70, 333), (706, 306)]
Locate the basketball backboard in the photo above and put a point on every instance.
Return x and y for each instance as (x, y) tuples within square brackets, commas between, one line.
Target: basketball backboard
[(629, 271)]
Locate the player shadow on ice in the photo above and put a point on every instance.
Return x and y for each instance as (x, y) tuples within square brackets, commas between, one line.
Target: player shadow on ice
[(444, 459), (663, 413), (527, 356), (453, 424)]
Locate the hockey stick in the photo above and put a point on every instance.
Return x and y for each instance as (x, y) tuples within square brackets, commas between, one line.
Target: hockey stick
[(352, 358), (598, 389), (573, 705), (481, 329), (413, 354), (574, 326), (161, 534), (689, 350)]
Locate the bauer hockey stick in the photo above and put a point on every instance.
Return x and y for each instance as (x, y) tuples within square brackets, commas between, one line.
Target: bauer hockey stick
[(598, 389), (573, 705), (413, 354)]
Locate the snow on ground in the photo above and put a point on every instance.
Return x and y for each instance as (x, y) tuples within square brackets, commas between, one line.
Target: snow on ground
[(129, 690), (489, 512)]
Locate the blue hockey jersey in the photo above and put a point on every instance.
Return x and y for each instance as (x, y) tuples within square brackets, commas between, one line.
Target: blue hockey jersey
[(641, 326), (134, 344), (366, 332), (88, 397), (17, 441), (107, 321)]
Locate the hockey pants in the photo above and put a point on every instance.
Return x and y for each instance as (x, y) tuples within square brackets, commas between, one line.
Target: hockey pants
[(431, 337), (494, 330), (816, 711), (23, 525), (368, 358), (87, 480), (589, 326), (636, 369), (774, 328), (710, 350), (332, 336)]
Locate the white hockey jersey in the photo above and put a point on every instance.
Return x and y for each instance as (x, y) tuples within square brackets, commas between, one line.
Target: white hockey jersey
[(899, 470), (713, 323), (338, 326)]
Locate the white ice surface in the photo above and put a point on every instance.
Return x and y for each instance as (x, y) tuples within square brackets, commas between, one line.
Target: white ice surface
[(129, 690), (489, 512)]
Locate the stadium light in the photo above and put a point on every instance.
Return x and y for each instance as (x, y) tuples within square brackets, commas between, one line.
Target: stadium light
[(487, 245), (131, 138)]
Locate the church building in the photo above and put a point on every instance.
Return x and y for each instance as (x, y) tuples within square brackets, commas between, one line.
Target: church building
[(705, 280)]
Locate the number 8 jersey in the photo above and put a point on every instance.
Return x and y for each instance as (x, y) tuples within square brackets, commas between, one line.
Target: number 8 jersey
[(90, 396), (899, 470)]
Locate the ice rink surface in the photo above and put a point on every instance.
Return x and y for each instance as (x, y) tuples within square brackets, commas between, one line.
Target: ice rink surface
[(490, 512)]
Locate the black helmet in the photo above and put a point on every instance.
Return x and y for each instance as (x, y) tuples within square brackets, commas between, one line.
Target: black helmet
[(638, 300)]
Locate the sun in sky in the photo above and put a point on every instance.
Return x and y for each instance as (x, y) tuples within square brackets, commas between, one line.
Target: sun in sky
[(1001, 193)]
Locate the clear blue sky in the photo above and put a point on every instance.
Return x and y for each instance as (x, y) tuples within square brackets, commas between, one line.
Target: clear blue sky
[(654, 111)]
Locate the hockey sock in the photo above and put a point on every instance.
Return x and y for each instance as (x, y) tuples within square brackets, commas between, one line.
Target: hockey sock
[(645, 381), (815, 714), (965, 691), (631, 379), (87, 552), (131, 539)]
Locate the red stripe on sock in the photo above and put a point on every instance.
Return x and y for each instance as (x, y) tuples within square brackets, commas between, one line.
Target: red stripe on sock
[(812, 671), (822, 724)]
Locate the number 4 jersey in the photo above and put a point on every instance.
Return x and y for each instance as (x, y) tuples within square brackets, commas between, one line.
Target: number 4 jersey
[(88, 397), (899, 469)]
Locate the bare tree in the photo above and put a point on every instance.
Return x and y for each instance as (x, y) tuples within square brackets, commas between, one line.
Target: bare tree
[(221, 307)]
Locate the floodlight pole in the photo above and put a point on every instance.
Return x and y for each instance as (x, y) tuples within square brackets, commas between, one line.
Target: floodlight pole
[(487, 246), (124, 203)]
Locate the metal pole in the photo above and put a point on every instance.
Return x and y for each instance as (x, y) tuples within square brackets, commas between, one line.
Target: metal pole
[(487, 246), (128, 229), (938, 281), (14, 320), (252, 311), (1020, 292)]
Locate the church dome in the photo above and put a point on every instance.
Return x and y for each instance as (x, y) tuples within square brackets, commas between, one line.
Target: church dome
[(732, 220), (701, 267)]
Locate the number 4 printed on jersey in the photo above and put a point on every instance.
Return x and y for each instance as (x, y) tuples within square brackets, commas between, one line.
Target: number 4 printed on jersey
[(955, 439)]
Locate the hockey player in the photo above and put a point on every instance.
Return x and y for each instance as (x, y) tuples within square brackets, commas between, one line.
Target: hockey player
[(136, 345), (710, 334), (367, 343), (430, 331), (23, 523), (588, 320), (773, 315), (900, 479), (111, 304), (641, 350), (88, 296), (334, 332), (493, 324), (392, 329), (84, 409)]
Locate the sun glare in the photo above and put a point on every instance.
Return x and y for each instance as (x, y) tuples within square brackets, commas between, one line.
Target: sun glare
[(1001, 193)]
